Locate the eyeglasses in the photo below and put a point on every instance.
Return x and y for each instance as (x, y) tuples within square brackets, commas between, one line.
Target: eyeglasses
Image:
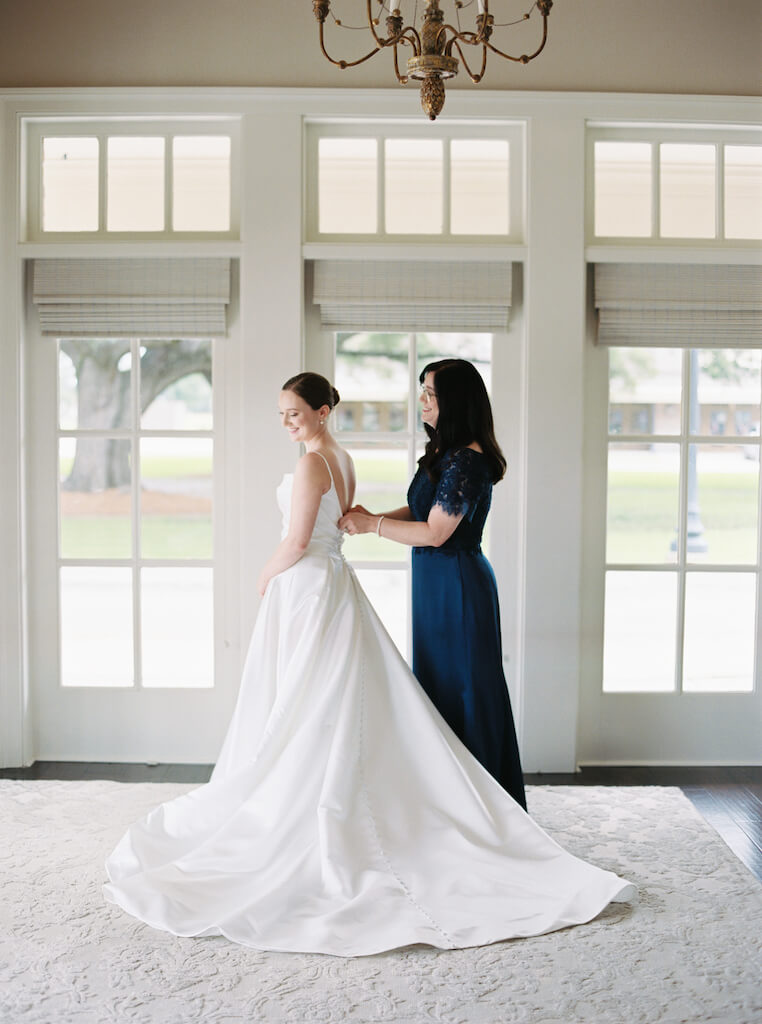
[(428, 393)]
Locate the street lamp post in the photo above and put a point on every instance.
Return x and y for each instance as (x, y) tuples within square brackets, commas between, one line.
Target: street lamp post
[(696, 542)]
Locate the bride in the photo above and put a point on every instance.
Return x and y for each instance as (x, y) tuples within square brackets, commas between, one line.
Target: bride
[(343, 815)]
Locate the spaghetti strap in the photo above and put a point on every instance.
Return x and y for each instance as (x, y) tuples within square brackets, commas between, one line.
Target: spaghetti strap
[(333, 479), (328, 465), (330, 471)]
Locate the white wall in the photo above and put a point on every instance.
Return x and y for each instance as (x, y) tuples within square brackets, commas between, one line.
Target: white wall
[(545, 588)]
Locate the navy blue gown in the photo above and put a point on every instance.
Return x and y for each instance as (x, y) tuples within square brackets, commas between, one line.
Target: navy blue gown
[(457, 649)]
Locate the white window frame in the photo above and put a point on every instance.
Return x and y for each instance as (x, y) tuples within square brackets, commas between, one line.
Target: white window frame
[(510, 131), (410, 438), (683, 566), (653, 134), (34, 130), (137, 560)]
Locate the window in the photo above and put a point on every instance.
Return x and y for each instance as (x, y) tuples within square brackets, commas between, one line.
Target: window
[(127, 178), (379, 423), (682, 552), (454, 183), (135, 437), (670, 184)]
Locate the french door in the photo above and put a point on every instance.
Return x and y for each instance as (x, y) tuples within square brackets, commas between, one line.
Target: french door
[(671, 623), (125, 464)]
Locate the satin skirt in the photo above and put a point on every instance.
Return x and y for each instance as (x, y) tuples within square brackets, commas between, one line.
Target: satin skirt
[(344, 816), (458, 659)]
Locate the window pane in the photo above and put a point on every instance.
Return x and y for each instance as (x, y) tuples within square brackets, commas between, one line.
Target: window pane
[(94, 385), (371, 376), (201, 183), (719, 632), (476, 348), (639, 632), (135, 184), (479, 187), (623, 178), (414, 176), (67, 391), (645, 386), (70, 184), (347, 186), (743, 191), (722, 505), (388, 592), (96, 627), (727, 401), (186, 403), (95, 501), (382, 482), (176, 497), (642, 503), (177, 627), (687, 182)]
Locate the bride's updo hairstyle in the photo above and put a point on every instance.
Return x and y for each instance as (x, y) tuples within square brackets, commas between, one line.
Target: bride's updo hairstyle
[(315, 390)]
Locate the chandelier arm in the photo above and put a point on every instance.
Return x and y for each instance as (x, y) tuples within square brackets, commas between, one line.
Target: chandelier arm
[(474, 78), (410, 34), (380, 43), (470, 38), (402, 79), (524, 58), (344, 63)]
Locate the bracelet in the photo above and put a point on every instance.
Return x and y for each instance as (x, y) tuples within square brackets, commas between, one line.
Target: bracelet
[(378, 525)]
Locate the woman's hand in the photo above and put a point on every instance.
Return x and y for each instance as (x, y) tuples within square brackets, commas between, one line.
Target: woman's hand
[(262, 582), (358, 520)]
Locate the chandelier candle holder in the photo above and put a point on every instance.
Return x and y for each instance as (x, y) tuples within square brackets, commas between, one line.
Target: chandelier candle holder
[(432, 44)]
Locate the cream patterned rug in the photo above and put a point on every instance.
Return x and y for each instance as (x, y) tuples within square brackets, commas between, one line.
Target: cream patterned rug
[(688, 953)]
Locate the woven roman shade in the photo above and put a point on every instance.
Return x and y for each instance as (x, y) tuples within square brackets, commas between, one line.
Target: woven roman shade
[(388, 295), (144, 298), (679, 305)]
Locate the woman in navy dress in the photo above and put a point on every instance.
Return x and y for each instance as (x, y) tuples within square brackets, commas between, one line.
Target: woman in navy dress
[(457, 650)]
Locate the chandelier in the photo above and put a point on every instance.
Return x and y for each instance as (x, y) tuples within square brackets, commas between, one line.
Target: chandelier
[(432, 46)]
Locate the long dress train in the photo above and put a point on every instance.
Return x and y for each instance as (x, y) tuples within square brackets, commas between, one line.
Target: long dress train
[(343, 815)]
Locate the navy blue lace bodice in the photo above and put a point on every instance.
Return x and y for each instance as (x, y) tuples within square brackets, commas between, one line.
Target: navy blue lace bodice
[(465, 486)]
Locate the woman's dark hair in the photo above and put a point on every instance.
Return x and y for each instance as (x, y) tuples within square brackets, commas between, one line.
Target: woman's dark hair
[(314, 389), (465, 416)]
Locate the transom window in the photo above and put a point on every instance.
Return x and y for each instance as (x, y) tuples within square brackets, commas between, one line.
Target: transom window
[(131, 178), (650, 184), (389, 180)]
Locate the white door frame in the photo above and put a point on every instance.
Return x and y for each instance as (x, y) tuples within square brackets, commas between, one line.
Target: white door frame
[(675, 728)]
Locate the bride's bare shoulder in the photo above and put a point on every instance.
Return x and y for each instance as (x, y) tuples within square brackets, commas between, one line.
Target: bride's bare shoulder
[(312, 468)]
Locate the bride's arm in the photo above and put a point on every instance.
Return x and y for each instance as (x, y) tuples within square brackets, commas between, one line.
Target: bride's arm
[(311, 481)]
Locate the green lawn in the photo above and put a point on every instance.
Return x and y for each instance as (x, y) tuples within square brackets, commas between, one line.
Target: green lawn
[(110, 537), (642, 516)]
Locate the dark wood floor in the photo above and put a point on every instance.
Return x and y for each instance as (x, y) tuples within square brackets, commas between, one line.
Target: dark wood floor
[(730, 799)]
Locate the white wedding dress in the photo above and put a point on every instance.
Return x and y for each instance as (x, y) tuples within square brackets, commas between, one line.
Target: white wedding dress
[(343, 815)]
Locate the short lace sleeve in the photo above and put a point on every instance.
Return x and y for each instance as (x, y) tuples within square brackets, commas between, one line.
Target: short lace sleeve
[(461, 483)]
